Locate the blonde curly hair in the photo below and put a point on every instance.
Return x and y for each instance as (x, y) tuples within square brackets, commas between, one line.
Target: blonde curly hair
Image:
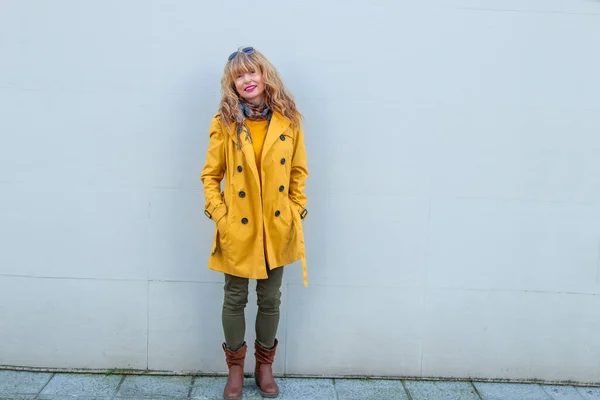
[(277, 98)]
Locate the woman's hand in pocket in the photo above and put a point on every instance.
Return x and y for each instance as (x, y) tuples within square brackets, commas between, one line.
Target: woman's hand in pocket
[(222, 225)]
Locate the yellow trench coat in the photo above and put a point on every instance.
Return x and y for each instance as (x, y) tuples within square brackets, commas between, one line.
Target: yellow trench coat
[(258, 221)]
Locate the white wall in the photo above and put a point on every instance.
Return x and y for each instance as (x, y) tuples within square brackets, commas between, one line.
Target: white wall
[(454, 151)]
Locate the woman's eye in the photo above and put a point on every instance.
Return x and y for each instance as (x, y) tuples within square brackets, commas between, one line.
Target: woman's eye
[(253, 72)]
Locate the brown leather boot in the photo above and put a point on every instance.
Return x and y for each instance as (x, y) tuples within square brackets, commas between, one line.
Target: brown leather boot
[(263, 373), (235, 379)]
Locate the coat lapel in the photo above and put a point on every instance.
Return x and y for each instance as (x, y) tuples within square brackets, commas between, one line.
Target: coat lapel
[(247, 150), (278, 125)]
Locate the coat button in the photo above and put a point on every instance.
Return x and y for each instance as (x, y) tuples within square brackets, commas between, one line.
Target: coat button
[(282, 161), (239, 168), (281, 188), (277, 213), (244, 221), (282, 137), (242, 194)]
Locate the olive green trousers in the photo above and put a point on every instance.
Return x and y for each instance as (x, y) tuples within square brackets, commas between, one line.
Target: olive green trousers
[(267, 319)]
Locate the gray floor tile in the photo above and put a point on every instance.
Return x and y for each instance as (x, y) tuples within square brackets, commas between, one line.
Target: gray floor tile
[(17, 397), (511, 391), (367, 389), (67, 397), (25, 383), (207, 388), (160, 387), (558, 392), (589, 393), (89, 386), (434, 390), (303, 389), (16, 385)]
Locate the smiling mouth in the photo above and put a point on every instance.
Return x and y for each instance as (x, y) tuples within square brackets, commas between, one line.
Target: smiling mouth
[(250, 88)]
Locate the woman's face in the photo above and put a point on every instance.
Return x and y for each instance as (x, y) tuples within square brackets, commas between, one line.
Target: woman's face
[(250, 87)]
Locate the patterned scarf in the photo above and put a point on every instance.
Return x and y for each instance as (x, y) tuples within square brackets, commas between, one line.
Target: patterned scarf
[(252, 112)]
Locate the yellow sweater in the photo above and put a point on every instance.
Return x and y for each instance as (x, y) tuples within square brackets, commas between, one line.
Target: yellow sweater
[(258, 130)]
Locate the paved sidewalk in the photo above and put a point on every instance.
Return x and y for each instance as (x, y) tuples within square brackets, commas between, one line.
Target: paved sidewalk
[(16, 385)]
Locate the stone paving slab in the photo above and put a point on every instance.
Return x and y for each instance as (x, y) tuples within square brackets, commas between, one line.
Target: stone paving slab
[(304, 389), (62, 397), (90, 386), (22, 383), (16, 385), (352, 389), (510, 391), (208, 388), (155, 387), (441, 390), (17, 396), (589, 393), (562, 392)]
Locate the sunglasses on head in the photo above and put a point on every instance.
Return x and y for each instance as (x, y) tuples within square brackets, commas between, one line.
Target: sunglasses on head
[(246, 50)]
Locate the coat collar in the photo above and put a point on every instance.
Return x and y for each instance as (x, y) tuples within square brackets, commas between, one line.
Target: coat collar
[(277, 126)]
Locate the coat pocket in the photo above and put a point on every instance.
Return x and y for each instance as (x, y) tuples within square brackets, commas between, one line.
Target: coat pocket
[(216, 243), (297, 224), (220, 234)]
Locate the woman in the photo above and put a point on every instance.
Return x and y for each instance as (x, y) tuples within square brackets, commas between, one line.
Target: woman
[(256, 143)]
